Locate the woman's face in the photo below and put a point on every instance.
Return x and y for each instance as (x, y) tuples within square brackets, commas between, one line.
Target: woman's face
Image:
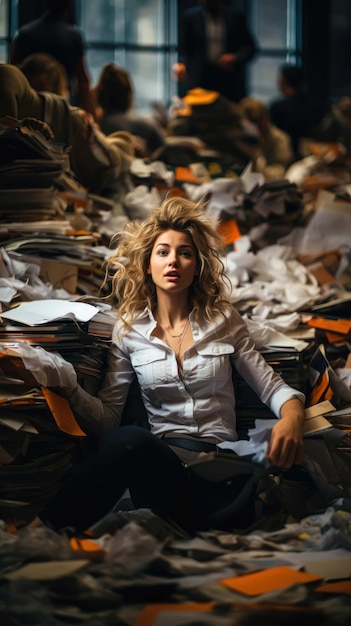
[(173, 263)]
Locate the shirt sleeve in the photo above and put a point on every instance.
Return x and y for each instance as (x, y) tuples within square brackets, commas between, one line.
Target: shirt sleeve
[(268, 385), (102, 413), (282, 395)]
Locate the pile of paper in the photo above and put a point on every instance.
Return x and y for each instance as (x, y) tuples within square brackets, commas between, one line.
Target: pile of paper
[(38, 431)]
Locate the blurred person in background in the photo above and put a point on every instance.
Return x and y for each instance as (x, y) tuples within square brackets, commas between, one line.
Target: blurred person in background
[(114, 96), (295, 111), (98, 162), (45, 73), (336, 125), (274, 152), (215, 45), (55, 34)]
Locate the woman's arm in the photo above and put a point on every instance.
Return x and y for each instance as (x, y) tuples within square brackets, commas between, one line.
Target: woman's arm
[(102, 413), (286, 444), (287, 403), (95, 414)]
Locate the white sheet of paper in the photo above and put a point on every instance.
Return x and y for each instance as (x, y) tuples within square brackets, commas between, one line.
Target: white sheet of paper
[(43, 311), (331, 564)]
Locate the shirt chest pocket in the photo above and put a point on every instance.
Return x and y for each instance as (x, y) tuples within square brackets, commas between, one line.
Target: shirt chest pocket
[(214, 360), (150, 367)]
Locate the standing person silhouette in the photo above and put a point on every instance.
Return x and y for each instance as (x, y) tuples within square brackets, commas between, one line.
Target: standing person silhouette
[(296, 112), (55, 34), (215, 45)]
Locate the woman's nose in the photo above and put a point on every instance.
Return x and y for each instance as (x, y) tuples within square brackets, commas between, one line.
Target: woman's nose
[(172, 259)]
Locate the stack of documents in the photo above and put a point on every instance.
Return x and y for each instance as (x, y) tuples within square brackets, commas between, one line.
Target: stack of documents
[(29, 168), (38, 431)]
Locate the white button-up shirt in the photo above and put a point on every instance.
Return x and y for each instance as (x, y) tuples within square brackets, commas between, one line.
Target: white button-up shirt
[(200, 402)]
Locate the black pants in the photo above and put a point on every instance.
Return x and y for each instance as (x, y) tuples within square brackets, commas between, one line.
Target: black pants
[(127, 457), (131, 457)]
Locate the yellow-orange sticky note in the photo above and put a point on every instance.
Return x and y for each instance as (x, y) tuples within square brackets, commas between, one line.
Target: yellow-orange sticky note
[(62, 413), (257, 583)]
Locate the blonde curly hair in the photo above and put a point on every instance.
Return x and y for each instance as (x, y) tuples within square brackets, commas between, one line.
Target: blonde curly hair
[(133, 287)]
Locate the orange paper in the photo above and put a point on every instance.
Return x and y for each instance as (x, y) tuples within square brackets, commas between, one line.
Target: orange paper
[(321, 390), (150, 613), (185, 174), (84, 545), (335, 337), (268, 580), (62, 413), (229, 230), (339, 326), (341, 586)]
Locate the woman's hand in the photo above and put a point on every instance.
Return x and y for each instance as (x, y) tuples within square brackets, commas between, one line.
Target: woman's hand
[(286, 444), (227, 61), (49, 369)]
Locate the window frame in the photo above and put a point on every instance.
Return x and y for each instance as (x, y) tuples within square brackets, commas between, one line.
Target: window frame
[(167, 51)]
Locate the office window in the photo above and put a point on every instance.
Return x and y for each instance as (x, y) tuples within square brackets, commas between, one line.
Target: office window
[(141, 35), (4, 24), (102, 21), (277, 27), (269, 21)]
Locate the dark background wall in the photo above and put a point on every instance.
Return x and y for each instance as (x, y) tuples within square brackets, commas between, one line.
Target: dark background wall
[(316, 44), (340, 48)]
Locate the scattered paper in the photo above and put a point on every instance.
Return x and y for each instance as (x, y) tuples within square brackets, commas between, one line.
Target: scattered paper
[(43, 311)]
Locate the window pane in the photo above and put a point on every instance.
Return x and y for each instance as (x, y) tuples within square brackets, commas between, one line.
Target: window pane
[(3, 18), (269, 23), (263, 77), (147, 72), (116, 21), (3, 53), (145, 22), (102, 20)]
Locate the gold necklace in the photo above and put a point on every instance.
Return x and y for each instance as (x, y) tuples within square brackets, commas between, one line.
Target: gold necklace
[(179, 337), (180, 334)]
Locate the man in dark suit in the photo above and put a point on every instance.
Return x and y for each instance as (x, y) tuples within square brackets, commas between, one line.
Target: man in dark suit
[(215, 45)]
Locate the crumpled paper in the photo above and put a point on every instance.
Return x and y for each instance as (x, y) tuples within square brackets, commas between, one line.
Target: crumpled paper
[(48, 368)]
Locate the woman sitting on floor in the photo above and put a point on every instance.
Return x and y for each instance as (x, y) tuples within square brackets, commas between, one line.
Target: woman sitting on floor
[(179, 335)]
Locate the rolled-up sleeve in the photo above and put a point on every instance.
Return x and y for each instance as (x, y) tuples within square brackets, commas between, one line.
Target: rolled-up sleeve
[(282, 395)]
